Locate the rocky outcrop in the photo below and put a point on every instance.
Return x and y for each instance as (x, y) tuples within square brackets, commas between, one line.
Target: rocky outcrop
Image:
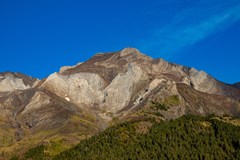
[(122, 89), (81, 88), (15, 81), (201, 81), (64, 68)]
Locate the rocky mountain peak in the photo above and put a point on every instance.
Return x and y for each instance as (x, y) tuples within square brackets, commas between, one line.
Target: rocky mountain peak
[(130, 51), (64, 68), (132, 54), (10, 81)]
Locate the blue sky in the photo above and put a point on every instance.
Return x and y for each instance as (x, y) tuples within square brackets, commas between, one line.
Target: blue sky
[(37, 37)]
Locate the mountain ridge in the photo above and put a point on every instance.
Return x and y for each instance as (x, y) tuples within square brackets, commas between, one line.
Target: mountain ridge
[(237, 85), (82, 100)]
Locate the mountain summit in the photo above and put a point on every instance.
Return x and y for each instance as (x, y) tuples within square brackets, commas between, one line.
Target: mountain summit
[(82, 100)]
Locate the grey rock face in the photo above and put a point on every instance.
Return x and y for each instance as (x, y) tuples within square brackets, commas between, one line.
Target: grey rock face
[(81, 88), (202, 81), (15, 81), (120, 91)]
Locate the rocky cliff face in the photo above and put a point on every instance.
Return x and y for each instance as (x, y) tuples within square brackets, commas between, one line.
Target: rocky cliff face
[(84, 99), (15, 81)]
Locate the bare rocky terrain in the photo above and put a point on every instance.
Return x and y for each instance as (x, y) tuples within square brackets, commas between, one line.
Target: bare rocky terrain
[(237, 85), (82, 100)]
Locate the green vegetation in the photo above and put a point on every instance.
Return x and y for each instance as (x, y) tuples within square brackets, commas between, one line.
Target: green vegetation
[(7, 137), (61, 138), (36, 153), (159, 106), (166, 103), (189, 137), (172, 100)]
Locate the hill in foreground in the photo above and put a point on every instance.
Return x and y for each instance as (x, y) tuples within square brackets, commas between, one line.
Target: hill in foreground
[(188, 137)]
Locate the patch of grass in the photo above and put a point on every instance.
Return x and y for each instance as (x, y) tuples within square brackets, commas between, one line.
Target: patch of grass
[(27, 142), (143, 127), (159, 106), (164, 105), (55, 140), (78, 119), (205, 123), (55, 147), (7, 137), (232, 120), (172, 101)]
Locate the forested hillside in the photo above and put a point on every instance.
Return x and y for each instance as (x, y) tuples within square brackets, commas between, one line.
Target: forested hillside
[(185, 138), (189, 137)]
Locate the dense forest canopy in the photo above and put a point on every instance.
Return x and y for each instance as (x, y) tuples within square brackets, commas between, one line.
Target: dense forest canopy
[(189, 137)]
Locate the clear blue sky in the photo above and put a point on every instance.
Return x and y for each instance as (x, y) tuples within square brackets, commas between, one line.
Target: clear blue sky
[(37, 37)]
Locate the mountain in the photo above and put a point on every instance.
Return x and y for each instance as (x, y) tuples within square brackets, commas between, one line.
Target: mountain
[(15, 81), (237, 85), (83, 100)]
